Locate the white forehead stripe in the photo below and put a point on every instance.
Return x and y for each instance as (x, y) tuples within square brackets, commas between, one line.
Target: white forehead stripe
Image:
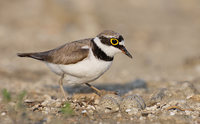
[(109, 50), (108, 36)]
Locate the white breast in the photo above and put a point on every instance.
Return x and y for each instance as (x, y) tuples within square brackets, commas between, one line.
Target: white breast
[(84, 71)]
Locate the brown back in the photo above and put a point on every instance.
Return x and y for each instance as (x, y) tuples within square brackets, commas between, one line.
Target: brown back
[(68, 53)]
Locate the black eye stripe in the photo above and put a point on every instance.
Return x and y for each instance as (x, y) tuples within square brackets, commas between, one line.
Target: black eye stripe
[(107, 41)]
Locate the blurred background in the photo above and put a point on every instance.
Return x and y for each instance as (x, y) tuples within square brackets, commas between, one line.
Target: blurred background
[(162, 35)]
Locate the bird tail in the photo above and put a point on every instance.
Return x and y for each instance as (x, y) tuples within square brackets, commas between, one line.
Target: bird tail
[(37, 56)]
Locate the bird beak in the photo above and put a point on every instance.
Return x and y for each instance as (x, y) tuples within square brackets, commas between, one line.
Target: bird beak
[(125, 51)]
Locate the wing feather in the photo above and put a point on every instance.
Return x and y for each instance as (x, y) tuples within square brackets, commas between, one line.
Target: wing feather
[(68, 53)]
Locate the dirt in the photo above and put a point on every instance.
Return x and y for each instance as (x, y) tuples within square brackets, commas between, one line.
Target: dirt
[(159, 85)]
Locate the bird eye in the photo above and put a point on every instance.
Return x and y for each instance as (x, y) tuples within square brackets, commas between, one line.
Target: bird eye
[(114, 41)]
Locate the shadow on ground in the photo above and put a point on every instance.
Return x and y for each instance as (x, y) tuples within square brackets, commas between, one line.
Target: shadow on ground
[(119, 88)]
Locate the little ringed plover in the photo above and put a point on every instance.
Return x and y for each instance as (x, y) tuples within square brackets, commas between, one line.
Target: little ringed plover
[(82, 61)]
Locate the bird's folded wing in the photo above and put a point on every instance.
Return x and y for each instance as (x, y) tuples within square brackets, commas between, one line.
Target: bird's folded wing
[(69, 53)]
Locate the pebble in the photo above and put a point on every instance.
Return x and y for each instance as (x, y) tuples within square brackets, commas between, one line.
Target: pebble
[(132, 111), (115, 97), (157, 96), (90, 111), (142, 118), (152, 108), (189, 89), (108, 104), (47, 97), (84, 111), (90, 107), (132, 104), (58, 104), (172, 113), (188, 112), (128, 110), (96, 101), (3, 113)]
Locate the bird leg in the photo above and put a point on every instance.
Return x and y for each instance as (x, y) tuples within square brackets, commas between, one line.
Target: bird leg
[(61, 87), (94, 88), (100, 92)]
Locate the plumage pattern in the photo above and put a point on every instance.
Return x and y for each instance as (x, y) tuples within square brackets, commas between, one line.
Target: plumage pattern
[(84, 60), (69, 53)]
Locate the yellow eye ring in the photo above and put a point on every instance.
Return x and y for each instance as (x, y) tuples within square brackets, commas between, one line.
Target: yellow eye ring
[(114, 41)]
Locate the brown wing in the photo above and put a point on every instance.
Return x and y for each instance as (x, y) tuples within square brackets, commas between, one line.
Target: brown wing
[(69, 53)]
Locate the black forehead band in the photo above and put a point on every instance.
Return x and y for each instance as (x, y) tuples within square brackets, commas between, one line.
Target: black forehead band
[(120, 38)]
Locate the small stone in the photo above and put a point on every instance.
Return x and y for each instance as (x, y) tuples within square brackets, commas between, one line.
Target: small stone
[(58, 104), (188, 88), (152, 108), (172, 113), (119, 115), (195, 97), (84, 111), (45, 112), (90, 111), (96, 101), (157, 96), (132, 104), (84, 103), (133, 111), (108, 104), (188, 112), (142, 118), (90, 107), (29, 101), (128, 110), (47, 97), (3, 113), (44, 103), (115, 97)]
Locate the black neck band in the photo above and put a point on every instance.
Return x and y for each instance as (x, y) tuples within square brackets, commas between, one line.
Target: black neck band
[(98, 53)]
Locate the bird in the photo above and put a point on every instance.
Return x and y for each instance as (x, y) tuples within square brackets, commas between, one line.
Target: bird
[(82, 61)]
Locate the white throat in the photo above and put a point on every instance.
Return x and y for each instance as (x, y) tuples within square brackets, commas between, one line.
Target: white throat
[(109, 50)]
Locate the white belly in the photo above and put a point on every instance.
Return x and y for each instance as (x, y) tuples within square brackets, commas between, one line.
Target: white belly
[(84, 71)]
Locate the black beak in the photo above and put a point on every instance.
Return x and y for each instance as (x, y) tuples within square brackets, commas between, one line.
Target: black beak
[(125, 51)]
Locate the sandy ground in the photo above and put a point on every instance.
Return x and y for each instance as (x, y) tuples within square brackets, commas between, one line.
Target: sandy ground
[(163, 37)]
